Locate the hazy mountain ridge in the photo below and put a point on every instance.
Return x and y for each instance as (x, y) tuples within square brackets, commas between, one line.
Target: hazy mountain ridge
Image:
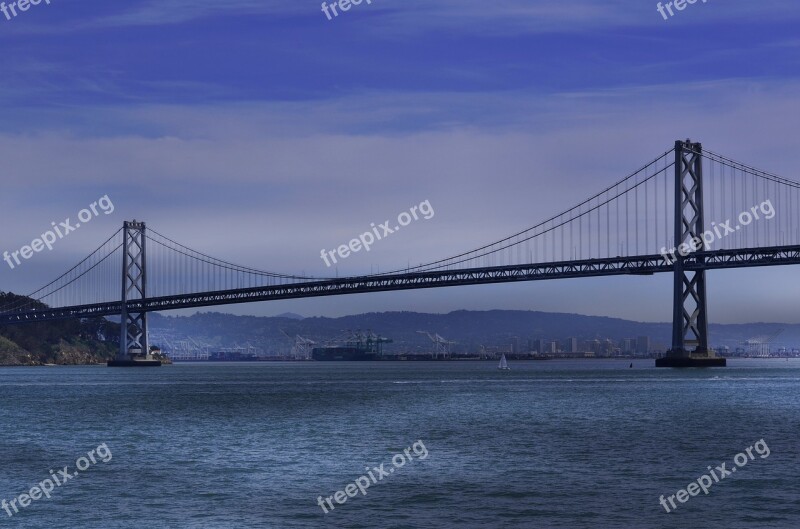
[(470, 329)]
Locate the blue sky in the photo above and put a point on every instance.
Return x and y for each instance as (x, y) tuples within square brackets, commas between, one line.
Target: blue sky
[(261, 132)]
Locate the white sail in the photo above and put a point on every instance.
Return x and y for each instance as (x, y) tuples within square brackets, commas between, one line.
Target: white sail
[(503, 363)]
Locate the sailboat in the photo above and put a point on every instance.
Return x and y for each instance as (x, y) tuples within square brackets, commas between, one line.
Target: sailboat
[(503, 364)]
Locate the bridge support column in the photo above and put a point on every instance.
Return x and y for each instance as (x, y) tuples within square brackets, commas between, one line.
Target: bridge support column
[(689, 316), (133, 347)]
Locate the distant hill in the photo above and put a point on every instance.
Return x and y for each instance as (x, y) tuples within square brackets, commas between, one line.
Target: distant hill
[(95, 340), (470, 329), (291, 316)]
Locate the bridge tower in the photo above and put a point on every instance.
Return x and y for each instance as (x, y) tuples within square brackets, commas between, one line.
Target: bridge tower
[(689, 316), (133, 347)]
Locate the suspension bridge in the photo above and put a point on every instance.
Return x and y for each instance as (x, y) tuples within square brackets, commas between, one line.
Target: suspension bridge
[(651, 221)]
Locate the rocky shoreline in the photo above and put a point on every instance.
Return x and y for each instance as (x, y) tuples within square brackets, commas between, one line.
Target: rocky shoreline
[(62, 356), (64, 353)]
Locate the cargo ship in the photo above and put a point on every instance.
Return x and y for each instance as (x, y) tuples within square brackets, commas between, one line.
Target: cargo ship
[(227, 356), (344, 353), (357, 347)]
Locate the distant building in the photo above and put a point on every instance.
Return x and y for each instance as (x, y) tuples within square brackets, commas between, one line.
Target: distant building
[(629, 345), (571, 345), (642, 345), (539, 346)]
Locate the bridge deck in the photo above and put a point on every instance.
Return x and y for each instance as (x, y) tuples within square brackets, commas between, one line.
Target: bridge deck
[(644, 265)]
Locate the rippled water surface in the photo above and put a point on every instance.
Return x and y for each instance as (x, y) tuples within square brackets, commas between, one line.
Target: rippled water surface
[(548, 444)]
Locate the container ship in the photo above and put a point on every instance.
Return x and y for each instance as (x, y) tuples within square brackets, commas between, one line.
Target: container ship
[(227, 356), (357, 347), (343, 353)]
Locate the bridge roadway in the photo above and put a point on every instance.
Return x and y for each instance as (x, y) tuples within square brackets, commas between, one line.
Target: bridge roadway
[(642, 265)]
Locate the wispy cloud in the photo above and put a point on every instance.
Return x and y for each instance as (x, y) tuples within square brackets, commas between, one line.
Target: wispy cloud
[(501, 16), (206, 117)]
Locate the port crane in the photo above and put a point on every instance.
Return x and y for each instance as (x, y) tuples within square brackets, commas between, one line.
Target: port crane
[(180, 347), (365, 340), (441, 346), (302, 347), (760, 345)]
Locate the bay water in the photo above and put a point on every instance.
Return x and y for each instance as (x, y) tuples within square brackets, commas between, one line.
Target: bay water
[(560, 443)]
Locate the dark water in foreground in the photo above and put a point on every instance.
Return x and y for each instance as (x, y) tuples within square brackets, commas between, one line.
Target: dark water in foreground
[(549, 444)]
